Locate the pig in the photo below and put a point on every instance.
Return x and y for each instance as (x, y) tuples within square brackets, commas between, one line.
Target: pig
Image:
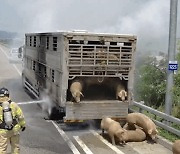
[(112, 127), (176, 147), (137, 135), (105, 55), (105, 123), (130, 127), (144, 122), (113, 57), (120, 92), (76, 90)]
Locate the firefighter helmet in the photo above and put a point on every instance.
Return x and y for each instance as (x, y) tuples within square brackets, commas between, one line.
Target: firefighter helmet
[(4, 92)]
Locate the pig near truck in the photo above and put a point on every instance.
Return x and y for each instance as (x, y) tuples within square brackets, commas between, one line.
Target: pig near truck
[(144, 122), (54, 61)]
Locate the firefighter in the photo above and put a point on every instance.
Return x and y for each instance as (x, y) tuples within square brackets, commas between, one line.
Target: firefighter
[(11, 122)]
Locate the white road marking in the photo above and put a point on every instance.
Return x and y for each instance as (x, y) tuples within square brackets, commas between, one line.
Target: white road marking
[(83, 145), (19, 72), (17, 69), (65, 137), (4, 52), (106, 142)]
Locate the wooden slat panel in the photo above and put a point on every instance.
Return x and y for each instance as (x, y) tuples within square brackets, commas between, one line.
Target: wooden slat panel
[(96, 109)]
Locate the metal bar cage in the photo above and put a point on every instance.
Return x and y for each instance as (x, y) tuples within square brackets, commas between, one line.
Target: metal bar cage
[(107, 59)]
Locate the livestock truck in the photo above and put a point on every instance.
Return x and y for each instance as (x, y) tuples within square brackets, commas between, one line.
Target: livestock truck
[(52, 61)]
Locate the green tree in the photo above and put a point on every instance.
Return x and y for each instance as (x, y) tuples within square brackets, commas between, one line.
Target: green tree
[(176, 91), (151, 86), (150, 82)]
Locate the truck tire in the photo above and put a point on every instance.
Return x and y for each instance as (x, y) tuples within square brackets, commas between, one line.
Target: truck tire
[(54, 113)]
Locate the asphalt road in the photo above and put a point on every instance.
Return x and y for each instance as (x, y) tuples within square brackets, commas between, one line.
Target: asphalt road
[(54, 137)]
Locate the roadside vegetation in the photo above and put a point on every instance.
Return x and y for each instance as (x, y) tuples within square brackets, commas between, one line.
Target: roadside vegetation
[(150, 86)]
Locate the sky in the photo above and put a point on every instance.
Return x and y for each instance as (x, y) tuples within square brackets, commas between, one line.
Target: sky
[(148, 19)]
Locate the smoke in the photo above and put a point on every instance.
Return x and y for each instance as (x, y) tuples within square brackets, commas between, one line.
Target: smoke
[(148, 19), (148, 23), (47, 104)]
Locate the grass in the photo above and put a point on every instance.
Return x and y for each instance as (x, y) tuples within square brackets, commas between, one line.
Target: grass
[(167, 135)]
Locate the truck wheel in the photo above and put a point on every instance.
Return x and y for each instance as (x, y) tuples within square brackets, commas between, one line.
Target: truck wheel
[(55, 114), (51, 113)]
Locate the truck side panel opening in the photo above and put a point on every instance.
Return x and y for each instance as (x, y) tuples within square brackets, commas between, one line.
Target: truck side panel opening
[(95, 88)]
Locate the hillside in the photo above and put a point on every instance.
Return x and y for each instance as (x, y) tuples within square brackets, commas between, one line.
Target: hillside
[(5, 35)]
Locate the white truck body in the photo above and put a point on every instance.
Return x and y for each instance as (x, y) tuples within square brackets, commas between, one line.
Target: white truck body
[(53, 60)]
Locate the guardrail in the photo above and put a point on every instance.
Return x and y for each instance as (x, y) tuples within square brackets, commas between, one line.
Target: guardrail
[(165, 118)]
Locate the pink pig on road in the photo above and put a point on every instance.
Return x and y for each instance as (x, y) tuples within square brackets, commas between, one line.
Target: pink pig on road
[(176, 147), (112, 127), (144, 122), (137, 135)]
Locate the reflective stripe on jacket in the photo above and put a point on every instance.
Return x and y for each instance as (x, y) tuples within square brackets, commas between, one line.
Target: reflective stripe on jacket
[(17, 114)]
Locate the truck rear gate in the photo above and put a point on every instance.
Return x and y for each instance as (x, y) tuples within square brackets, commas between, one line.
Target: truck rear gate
[(86, 110)]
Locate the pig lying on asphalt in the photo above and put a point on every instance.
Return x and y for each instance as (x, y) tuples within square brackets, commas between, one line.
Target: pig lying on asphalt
[(76, 90), (120, 92), (176, 147), (144, 122), (137, 135), (112, 127)]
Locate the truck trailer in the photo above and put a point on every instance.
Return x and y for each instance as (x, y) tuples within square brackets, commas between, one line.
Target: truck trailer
[(53, 61)]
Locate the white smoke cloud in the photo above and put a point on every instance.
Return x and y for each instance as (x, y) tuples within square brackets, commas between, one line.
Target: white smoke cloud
[(148, 19), (148, 23), (47, 104)]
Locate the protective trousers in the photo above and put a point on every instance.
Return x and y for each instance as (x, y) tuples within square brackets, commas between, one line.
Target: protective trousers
[(11, 137)]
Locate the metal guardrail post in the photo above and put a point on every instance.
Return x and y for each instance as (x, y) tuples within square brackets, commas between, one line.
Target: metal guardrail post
[(140, 109)]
